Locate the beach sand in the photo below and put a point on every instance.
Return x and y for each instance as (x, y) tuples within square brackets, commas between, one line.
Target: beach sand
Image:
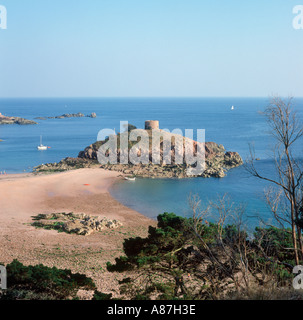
[(80, 191)]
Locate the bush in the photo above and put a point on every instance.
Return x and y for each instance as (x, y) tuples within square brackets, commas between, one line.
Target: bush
[(186, 259), (102, 296), (41, 282), (170, 234), (276, 243)]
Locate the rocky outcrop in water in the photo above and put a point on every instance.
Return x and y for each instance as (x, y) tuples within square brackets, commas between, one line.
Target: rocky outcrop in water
[(65, 165), (217, 160), (215, 167), (69, 115), (92, 115), (15, 120)]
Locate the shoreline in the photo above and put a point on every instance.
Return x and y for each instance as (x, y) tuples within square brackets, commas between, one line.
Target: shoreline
[(80, 191)]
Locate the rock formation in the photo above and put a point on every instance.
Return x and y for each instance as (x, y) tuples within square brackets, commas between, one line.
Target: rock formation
[(69, 115), (217, 160), (92, 115), (65, 164), (81, 224), (15, 120)]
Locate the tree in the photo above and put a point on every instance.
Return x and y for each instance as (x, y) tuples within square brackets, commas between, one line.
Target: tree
[(160, 260), (225, 246), (287, 131)]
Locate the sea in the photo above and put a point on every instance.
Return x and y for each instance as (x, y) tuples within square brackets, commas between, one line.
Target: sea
[(236, 130)]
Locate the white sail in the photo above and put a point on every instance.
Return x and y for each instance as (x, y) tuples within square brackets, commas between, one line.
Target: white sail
[(41, 147)]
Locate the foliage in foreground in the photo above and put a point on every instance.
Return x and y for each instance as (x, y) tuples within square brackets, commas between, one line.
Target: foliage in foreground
[(187, 259), (43, 283), (179, 259)]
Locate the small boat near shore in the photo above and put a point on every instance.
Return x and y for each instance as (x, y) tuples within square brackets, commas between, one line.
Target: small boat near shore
[(130, 178)]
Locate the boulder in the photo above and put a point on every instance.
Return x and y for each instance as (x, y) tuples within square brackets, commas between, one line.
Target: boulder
[(81, 224), (92, 115)]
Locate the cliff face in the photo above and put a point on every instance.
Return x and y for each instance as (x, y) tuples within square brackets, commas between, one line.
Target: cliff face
[(217, 160)]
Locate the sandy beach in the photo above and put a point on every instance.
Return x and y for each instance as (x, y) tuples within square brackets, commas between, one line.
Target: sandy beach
[(80, 191)]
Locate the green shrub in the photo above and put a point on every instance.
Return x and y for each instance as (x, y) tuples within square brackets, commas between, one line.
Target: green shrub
[(276, 242), (102, 296), (41, 282)]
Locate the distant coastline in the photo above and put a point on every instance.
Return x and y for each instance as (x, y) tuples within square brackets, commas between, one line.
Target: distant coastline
[(5, 120)]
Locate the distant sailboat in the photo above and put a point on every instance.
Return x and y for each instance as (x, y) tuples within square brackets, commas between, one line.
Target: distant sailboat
[(41, 147), (232, 108)]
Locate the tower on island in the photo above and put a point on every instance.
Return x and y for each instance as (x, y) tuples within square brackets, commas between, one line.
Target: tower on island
[(151, 124)]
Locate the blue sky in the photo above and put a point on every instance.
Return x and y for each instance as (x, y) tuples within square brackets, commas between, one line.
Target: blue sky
[(150, 48)]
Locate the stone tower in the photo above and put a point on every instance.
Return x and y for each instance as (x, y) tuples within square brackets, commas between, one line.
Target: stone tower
[(151, 124)]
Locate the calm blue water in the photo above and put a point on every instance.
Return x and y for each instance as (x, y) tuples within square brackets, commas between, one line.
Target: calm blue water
[(234, 129)]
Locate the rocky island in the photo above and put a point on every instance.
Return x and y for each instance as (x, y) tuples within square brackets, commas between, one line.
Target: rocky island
[(15, 120), (217, 160), (69, 115)]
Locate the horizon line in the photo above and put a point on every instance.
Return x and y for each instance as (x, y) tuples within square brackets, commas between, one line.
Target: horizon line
[(143, 97)]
